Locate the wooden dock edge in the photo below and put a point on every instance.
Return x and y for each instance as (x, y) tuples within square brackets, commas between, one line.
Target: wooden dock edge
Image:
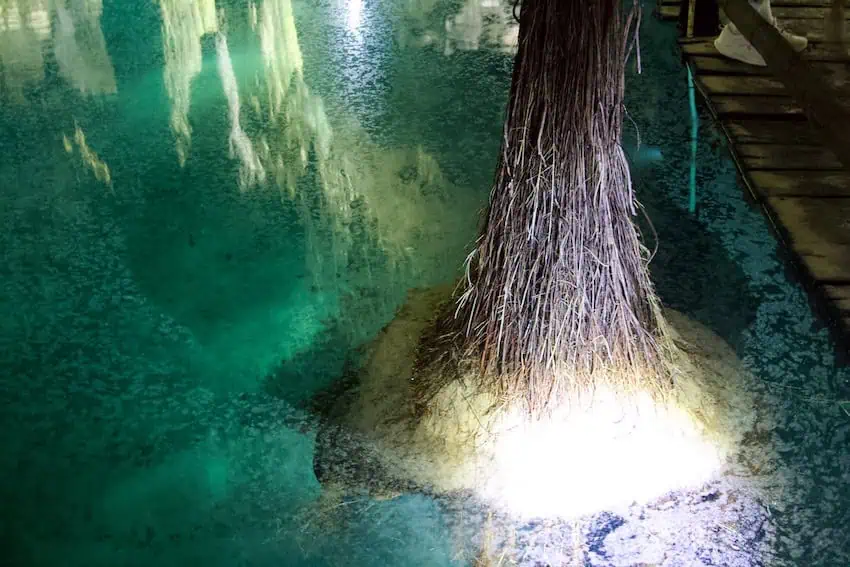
[(825, 309)]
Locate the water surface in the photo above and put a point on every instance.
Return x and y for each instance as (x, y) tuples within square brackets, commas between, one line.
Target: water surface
[(161, 324)]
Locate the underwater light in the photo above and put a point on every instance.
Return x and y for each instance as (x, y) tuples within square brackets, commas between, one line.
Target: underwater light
[(354, 15), (603, 456)]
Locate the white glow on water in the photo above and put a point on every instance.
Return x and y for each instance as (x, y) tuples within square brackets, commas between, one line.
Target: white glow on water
[(600, 458), (354, 15)]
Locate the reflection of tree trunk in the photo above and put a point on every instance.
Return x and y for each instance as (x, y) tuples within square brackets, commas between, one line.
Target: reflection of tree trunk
[(487, 22), (467, 26), (351, 170), (298, 118), (559, 291)]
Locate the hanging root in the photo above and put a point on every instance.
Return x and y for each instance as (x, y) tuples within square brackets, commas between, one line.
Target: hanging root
[(558, 296)]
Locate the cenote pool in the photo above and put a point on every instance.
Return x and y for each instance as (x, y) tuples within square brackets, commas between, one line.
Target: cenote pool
[(209, 208)]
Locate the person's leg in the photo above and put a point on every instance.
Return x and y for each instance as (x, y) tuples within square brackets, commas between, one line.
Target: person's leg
[(763, 8), (734, 45)]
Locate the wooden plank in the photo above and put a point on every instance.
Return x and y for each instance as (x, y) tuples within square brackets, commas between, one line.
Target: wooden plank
[(708, 65), (800, 12), (668, 9), (838, 292), (819, 232), (750, 107), (793, 183), (836, 71), (669, 12), (684, 40), (804, 25), (771, 132), (740, 85), (801, 183), (815, 52), (798, 3), (776, 156), (741, 81), (839, 295), (812, 28)]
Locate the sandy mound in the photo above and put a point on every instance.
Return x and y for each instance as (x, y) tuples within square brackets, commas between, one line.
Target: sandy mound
[(635, 449)]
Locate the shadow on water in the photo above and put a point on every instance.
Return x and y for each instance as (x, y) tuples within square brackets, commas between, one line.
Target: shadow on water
[(460, 125), (207, 254), (691, 269), (338, 348)]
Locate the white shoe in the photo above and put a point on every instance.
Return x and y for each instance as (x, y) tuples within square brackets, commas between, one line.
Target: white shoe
[(732, 44)]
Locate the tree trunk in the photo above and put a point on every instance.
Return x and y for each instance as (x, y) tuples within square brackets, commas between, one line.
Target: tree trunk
[(558, 290)]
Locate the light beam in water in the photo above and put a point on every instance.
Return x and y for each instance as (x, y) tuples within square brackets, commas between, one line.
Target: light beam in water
[(603, 456)]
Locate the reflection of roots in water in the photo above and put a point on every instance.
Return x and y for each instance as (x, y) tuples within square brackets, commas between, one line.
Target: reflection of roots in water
[(78, 45), (81, 48), (21, 36), (89, 158), (398, 194), (487, 24), (251, 171), (184, 22)]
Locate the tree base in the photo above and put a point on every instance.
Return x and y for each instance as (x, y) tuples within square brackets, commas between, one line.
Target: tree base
[(373, 439)]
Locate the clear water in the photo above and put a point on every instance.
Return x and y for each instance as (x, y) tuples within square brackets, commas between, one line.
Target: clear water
[(157, 331)]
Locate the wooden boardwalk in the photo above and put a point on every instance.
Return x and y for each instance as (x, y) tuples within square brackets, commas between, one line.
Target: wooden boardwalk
[(668, 9), (798, 182)]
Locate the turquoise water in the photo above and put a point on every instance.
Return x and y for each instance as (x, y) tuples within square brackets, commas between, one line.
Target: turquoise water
[(159, 331)]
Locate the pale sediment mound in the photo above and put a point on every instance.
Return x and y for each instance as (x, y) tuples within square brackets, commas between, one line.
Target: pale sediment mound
[(632, 448)]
